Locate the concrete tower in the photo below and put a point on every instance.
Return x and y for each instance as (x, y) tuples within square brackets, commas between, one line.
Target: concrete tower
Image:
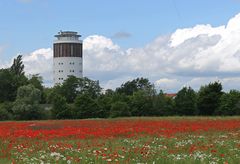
[(67, 56)]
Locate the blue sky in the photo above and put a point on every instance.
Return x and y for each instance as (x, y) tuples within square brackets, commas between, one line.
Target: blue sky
[(30, 24), (135, 28)]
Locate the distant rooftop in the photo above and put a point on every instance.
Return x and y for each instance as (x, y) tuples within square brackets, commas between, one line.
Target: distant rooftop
[(170, 95), (67, 34)]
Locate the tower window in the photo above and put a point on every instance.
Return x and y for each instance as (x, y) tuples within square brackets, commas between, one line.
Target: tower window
[(71, 50)]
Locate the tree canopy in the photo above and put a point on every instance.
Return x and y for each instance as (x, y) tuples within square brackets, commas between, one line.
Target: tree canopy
[(17, 67), (186, 101), (209, 98)]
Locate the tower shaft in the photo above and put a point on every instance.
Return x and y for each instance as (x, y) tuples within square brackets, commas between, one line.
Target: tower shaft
[(67, 56)]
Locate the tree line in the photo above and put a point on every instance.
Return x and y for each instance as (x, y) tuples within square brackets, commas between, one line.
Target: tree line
[(25, 98)]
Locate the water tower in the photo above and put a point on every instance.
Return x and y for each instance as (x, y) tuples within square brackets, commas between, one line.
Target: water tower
[(67, 56)]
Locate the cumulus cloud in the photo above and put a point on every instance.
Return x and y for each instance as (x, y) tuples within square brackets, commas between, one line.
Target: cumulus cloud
[(185, 56), (191, 56), (168, 85), (117, 82), (40, 62)]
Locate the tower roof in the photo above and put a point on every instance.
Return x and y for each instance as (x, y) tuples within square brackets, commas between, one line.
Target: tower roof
[(67, 34)]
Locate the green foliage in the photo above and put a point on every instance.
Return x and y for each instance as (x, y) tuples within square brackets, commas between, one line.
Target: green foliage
[(186, 102), (5, 111), (11, 79), (86, 107), (26, 106), (52, 92), (8, 90), (36, 81), (60, 108), (230, 103), (135, 85), (89, 87), (104, 102), (17, 67), (69, 88), (48, 95), (162, 105), (9, 83), (29, 94), (120, 109), (83, 98), (209, 98), (73, 86), (141, 104)]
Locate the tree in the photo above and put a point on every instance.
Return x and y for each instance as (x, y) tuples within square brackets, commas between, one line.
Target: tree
[(17, 67), (89, 87), (37, 82), (105, 103), (60, 108), (141, 104), (11, 79), (26, 106), (48, 94), (135, 85), (5, 112), (69, 88), (7, 89), (163, 105), (86, 107), (74, 86), (209, 98), (229, 103), (186, 102), (119, 109), (52, 92), (9, 83)]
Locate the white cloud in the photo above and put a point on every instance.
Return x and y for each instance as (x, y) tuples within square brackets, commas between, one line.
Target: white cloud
[(40, 62), (112, 84), (190, 56), (168, 85), (202, 51), (195, 83)]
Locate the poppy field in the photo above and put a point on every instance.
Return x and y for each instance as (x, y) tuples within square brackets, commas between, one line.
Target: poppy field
[(126, 140)]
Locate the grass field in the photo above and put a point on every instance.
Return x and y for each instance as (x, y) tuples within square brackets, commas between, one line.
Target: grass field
[(127, 140)]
